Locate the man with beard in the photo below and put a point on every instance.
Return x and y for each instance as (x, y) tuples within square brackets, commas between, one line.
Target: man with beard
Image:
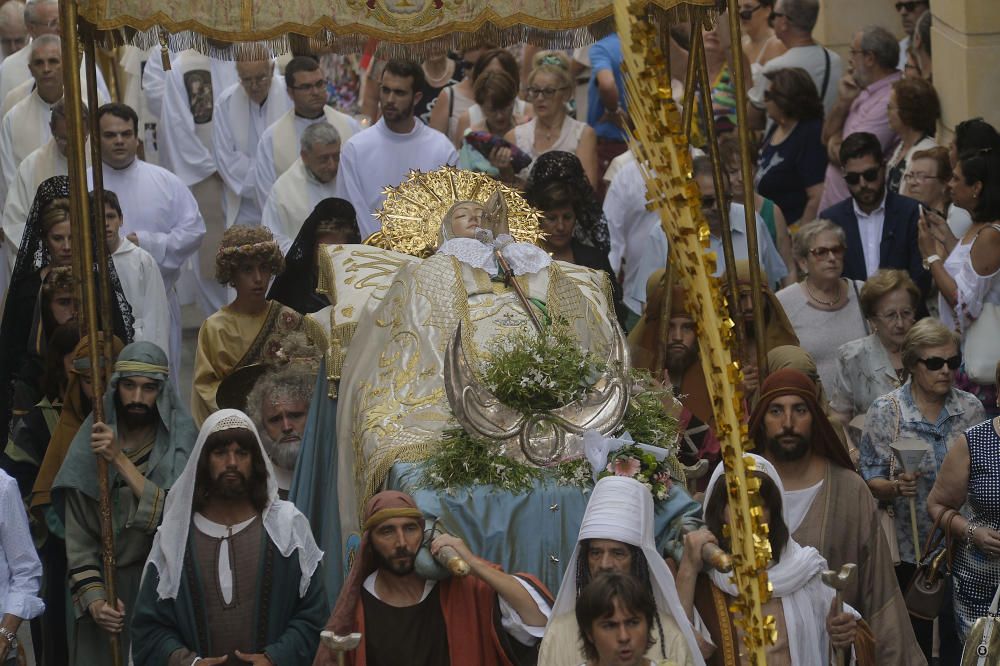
[(279, 405), (488, 618), (381, 156), (233, 575), (822, 490), (145, 440), (880, 225)]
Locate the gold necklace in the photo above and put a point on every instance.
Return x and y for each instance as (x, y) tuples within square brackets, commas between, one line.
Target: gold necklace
[(828, 304)]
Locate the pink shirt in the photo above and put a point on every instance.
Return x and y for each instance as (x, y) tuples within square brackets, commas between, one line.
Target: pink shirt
[(868, 114)]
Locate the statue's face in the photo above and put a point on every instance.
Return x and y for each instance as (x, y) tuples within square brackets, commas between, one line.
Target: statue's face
[(466, 219)]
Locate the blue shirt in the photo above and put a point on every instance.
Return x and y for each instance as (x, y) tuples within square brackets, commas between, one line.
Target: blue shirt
[(605, 54)]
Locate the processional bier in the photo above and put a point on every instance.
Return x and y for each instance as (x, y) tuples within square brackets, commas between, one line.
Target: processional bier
[(658, 137)]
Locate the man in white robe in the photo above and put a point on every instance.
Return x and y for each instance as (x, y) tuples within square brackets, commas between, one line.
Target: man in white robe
[(160, 213), (312, 178), (42, 164), (382, 155), (13, 31), (41, 17), (185, 142), (26, 127), (276, 150), (243, 112), (140, 278)]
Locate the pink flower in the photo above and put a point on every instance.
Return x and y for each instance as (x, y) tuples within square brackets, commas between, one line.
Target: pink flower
[(626, 467)]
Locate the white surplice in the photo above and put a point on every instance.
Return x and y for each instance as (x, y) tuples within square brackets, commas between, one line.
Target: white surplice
[(236, 130), (279, 146), (164, 215), (293, 197), (23, 130), (377, 158), (144, 290), (40, 165)]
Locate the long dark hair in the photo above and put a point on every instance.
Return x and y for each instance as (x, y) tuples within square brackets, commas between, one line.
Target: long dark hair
[(777, 530), (257, 483)]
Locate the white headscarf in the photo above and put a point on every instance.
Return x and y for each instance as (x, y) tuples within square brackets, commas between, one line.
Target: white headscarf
[(805, 599), (621, 509), (285, 525)]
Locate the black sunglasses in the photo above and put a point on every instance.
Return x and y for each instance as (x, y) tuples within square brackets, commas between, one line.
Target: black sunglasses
[(773, 16), (747, 13), (910, 5), (854, 177), (936, 362)]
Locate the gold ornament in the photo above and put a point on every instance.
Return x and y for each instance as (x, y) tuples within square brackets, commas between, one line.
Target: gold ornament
[(661, 148), (412, 213)]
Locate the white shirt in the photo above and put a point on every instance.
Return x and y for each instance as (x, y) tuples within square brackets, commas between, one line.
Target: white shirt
[(629, 224), (377, 158), (22, 131), (293, 197), (14, 71), (809, 58), (20, 569), (797, 504), (235, 143), (266, 170), (144, 290), (654, 256), (870, 227)]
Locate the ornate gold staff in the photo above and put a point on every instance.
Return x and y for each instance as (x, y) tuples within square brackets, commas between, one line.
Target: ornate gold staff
[(84, 251), (661, 148)]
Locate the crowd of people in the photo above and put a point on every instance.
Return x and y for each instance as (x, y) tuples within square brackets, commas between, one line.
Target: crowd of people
[(226, 184)]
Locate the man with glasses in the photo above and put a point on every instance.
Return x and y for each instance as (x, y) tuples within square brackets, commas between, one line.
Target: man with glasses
[(244, 111), (13, 31), (909, 12), (793, 22), (382, 155), (881, 226), (862, 106), (278, 147)]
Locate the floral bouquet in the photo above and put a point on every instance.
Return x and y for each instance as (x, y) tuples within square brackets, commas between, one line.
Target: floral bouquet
[(641, 465)]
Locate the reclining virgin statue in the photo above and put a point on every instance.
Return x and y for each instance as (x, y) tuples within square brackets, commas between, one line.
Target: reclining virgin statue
[(454, 271)]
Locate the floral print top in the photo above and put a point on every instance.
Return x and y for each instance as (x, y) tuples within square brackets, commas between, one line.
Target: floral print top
[(895, 416)]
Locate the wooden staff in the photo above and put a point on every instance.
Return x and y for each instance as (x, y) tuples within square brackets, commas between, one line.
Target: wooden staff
[(666, 304), (83, 246), (687, 117)]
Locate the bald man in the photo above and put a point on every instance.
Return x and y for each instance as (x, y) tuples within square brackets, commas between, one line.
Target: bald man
[(13, 31)]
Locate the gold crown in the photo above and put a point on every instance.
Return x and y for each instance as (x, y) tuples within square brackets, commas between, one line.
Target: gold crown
[(412, 213)]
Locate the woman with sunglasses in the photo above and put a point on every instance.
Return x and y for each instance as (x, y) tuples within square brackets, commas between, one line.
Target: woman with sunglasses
[(930, 409), (759, 42), (550, 87), (824, 308), (872, 366)]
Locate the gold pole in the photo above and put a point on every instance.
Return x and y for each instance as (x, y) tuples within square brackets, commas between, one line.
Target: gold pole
[(97, 200), (746, 164), (692, 74), (82, 246), (666, 305), (721, 191)]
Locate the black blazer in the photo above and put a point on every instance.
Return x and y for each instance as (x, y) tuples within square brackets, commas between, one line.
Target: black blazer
[(898, 248)]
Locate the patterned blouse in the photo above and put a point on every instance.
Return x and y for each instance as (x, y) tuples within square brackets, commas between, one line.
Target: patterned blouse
[(896, 416), (864, 373)]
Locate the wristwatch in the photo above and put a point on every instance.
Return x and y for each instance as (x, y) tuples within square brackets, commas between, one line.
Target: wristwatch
[(930, 260), (10, 636)]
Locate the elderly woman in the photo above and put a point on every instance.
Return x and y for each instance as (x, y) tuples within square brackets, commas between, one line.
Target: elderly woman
[(824, 308), (792, 162), (550, 87), (914, 110), (873, 365), (969, 478), (926, 180), (928, 408)]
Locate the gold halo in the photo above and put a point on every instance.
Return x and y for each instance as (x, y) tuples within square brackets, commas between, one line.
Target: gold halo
[(412, 213)]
